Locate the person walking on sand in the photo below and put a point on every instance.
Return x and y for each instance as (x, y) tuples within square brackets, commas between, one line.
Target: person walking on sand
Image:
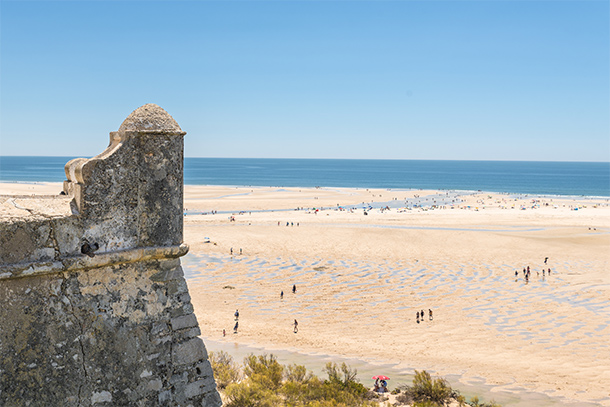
[(296, 326), (545, 260), (231, 251), (235, 327), (430, 314), (294, 288), (224, 333), (240, 251), (282, 295), (236, 314)]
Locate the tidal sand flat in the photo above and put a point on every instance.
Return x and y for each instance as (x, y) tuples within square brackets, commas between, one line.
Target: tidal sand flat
[(364, 262), (362, 278)]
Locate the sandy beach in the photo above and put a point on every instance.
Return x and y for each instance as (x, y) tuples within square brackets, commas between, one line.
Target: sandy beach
[(362, 273)]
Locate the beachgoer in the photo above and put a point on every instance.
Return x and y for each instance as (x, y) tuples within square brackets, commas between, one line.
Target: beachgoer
[(549, 272), (236, 315), (422, 315), (545, 260), (235, 327), (296, 326), (231, 251), (240, 250), (224, 333), (294, 288), (430, 314), (282, 295), (516, 274)]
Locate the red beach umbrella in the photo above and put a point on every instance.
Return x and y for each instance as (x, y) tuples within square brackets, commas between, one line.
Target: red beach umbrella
[(381, 377)]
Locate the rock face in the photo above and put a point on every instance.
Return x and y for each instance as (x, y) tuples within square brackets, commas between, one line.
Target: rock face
[(94, 308)]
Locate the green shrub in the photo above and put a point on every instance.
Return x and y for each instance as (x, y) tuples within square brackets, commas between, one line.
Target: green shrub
[(474, 402), (424, 389), (296, 373), (264, 370), (426, 392), (267, 383), (225, 369), (249, 394), (427, 403)]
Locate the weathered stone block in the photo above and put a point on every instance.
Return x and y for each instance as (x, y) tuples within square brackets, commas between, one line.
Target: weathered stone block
[(194, 389), (189, 352), (169, 272), (186, 321), (190, 333), (101, 397)]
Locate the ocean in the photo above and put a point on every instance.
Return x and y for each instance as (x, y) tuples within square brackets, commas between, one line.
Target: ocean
[(519, 177)]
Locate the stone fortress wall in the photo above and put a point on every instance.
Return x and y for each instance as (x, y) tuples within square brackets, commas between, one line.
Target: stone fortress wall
[(94, 307)]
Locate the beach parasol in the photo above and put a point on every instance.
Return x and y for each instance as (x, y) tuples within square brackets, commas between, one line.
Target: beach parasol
[(381, 377)]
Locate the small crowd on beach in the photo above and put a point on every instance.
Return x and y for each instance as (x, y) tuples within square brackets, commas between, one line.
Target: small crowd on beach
[(295, 324), (527, 272), (420, 316)]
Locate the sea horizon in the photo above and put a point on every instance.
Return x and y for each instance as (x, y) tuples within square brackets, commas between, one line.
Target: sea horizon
[(554, 178)]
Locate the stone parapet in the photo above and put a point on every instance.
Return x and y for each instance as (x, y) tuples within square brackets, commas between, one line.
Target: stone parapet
[(94, 307)]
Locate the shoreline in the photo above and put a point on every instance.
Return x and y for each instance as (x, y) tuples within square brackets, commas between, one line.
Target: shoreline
[(5, 190)]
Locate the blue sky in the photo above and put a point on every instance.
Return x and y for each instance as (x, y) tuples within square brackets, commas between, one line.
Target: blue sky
[(465, 80)]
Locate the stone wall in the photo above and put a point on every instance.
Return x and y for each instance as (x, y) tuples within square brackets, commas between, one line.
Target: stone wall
[(94, 307)]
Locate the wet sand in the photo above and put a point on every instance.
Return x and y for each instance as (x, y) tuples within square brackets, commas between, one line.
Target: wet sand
[(361, 278)]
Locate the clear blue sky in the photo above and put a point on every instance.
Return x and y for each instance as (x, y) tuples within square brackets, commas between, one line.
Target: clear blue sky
[(481, 80)]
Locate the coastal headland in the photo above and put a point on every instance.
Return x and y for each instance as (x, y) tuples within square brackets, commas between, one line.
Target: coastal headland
[(364, 262)]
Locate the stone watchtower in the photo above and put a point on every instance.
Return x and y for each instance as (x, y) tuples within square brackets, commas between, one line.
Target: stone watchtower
[(94, 308)]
